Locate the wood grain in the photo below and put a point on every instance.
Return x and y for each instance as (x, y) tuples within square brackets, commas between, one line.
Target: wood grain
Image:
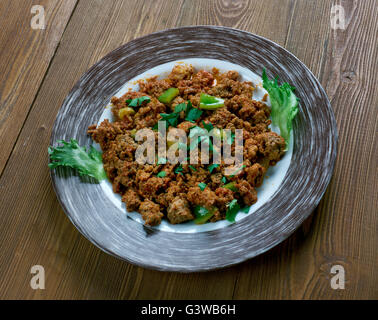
[(25, 55), (344, 227), (34, 230)]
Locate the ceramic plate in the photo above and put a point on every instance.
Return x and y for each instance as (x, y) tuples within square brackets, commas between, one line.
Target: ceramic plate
[(289, 194)]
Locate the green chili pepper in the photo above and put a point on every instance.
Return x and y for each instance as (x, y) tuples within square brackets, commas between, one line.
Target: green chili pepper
[(202, 214), (168, 95), (208, 102), (230, 186), (204, 218)]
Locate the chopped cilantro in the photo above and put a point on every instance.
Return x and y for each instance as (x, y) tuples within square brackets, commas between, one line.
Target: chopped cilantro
[(212, 167), (208, 126), (179, 169), (202, 186), (171, 118), (245, 209), (232, 211), (137, 102), (161, 174), (192, 113), (180, 107), (202, 214)]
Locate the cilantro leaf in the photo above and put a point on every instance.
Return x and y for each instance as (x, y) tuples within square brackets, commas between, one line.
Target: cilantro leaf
[(245, 209), (202, 186), (200, 211), (212, 167), (161, 174), (76, 157), (232, 211), (191, 167), (179, 169), (202, 214), (180, 107), (208, 126), (192, 114), (284, 105), (137, 102), (171, 119)]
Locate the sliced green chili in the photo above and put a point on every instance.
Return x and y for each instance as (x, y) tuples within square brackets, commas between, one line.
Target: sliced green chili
[(168, 95), (202, 214), (208, 102), (231, 186)]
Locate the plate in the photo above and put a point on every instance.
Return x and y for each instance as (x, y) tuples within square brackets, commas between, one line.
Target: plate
[(291, 192)]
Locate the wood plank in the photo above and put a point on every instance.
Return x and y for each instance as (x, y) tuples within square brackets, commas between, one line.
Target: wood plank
[(344, 226), (25, 55)]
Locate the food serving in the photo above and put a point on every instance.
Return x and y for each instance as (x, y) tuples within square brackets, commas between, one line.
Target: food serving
[(196, 102)]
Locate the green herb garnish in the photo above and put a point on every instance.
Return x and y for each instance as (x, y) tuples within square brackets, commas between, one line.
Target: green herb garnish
[(232, 211), (137, 102), (202, 214), (192, 114), (212, 167), (179, 169), (180, 107), (208, 126), (245, 209), (171, 118), (202, 186), (224, 179), (191, 167), (284, 105), (161, 174), (76, 157)]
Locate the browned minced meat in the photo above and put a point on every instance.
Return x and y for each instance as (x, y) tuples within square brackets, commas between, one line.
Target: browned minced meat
[(175, 195), (179, 211), (150, 212)]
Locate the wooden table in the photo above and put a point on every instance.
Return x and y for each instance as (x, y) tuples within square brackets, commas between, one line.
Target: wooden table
[(38, 67)]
